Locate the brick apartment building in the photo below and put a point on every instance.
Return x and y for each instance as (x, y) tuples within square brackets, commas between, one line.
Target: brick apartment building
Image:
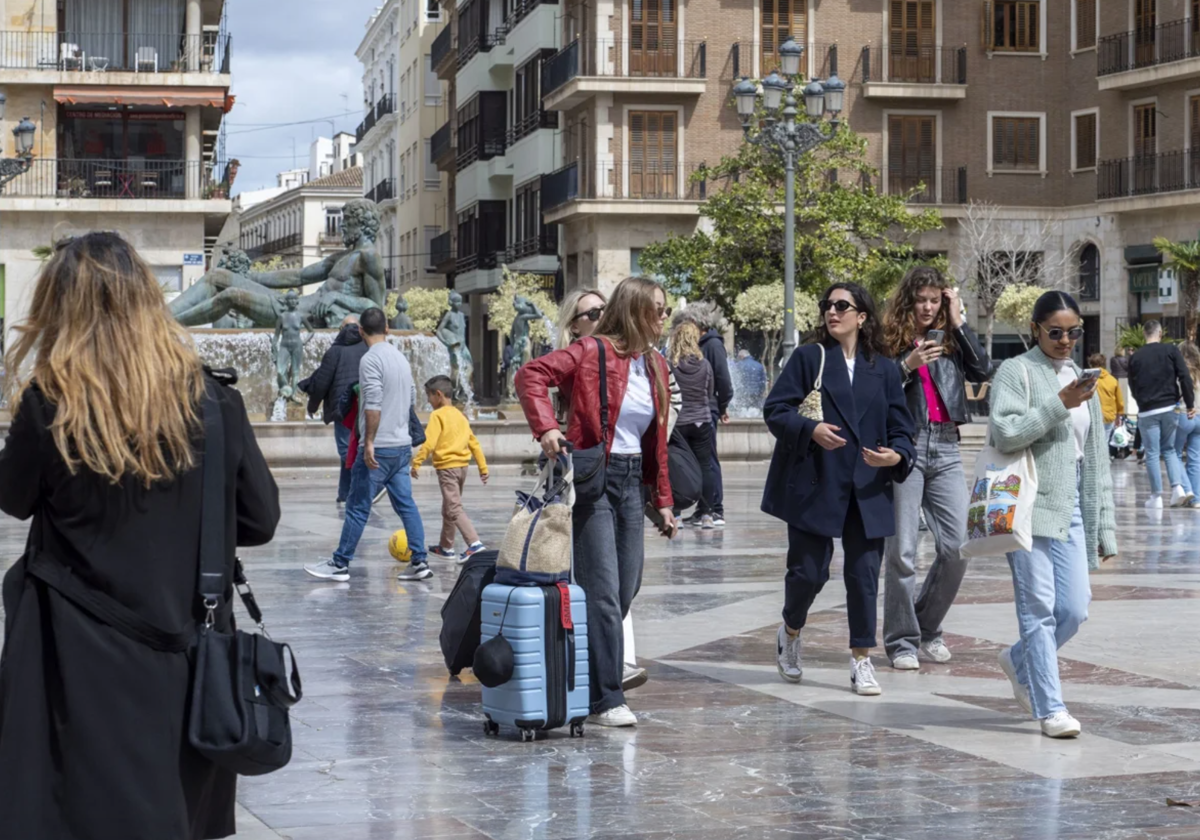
[(594, 114)]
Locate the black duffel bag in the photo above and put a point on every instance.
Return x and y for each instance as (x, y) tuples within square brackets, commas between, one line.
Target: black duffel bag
[(687, 480), (460, 612)]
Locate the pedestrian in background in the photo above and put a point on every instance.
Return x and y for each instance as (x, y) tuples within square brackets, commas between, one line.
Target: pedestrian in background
[(696, 385), (708, 319), (1112, 401), (1187, 433), (753, 377), (934, 372), (1159, 380), (1040, 404), (337, 372)]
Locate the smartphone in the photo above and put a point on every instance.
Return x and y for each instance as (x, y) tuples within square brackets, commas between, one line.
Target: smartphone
[(657, 520), (1089, 377), (936, 336)]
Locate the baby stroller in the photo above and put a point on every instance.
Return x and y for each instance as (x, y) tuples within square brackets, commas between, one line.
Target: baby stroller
[(1121, 441)]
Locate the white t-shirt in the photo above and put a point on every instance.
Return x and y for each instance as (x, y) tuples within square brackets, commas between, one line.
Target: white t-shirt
[(850, 368), (636, 412), (1081, 418)]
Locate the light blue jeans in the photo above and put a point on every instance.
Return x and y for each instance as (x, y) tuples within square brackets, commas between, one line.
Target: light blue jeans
[(1187, 442), (1052, 593), (1158, 436), (392, 473)]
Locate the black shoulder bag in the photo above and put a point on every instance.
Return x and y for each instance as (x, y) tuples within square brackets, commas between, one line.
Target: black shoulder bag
[(591, 464), (242, 683)]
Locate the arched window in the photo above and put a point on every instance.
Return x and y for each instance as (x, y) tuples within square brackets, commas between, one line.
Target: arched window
[(1089, 272)]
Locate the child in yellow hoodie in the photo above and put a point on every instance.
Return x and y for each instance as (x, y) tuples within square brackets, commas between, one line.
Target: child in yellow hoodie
[(449, 438)]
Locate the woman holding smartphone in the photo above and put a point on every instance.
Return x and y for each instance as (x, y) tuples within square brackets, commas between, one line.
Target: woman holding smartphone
[(936, 354), (1041, 402), (832, 477)]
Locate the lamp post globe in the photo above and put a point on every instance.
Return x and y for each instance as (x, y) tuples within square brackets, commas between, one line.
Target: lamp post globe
[(24, 135), (773, 88), (745, 93), (789, 56), (835, 92), (814, 99)]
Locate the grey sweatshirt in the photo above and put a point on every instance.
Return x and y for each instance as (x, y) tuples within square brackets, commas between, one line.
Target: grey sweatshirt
[(386, 385)]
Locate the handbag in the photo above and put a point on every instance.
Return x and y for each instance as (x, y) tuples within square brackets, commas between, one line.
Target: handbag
[(242, 683), (811, 407), (537, 544), (591, 464), (1000, 512)]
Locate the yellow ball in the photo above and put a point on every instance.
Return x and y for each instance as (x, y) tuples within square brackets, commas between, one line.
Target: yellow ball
[(398, 546)]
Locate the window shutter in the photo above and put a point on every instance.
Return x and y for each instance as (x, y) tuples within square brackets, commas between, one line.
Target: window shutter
[(999, 147), (986, 38), (768, 37), (926, 152), (1085, 141), (668, 156), (799, 23), (1194, 123), (1085, 24)]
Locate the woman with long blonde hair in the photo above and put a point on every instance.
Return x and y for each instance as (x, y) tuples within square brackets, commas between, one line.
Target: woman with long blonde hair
[(103, 453), (578, 315), (697, 388), (609, 532), (1187, 430)]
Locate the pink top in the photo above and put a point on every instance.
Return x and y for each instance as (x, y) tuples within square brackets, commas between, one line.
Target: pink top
[(937, 408)]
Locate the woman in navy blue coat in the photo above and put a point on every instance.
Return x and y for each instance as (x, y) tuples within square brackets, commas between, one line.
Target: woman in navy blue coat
[(833, 479)]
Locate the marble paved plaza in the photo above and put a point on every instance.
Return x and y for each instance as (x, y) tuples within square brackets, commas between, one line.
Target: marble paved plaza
[(389, 747)]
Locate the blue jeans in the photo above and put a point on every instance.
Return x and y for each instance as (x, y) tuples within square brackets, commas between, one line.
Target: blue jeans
[(1158, 436), (364, 484), (341, 436), (1052, 593), (1187, 441)]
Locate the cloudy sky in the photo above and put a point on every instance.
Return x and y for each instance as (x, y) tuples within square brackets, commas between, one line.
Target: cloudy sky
[(292, 61)]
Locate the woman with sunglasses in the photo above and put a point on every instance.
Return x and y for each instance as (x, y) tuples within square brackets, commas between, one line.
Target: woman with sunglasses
[(1040, 403), (578, 315), (832, 477), (609, 533), (934, 367)]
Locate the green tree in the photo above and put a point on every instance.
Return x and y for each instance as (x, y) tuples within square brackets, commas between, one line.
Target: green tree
[(760, 308), (845, 229), (1015, 307), (501, 312), (1185, 257)]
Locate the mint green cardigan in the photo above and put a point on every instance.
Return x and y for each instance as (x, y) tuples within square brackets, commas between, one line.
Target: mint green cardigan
[(1043, 423)]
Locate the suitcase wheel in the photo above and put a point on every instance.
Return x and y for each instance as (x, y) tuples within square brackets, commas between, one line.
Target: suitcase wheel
[(576, 730), (490, 727), (527, 735)]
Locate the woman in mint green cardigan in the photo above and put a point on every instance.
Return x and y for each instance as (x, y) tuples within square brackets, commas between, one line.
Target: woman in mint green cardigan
[(1059, 418)]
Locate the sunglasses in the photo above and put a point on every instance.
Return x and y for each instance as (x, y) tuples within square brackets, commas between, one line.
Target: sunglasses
[(664, 312), (839, 305), (592, 314), (1056, 333)]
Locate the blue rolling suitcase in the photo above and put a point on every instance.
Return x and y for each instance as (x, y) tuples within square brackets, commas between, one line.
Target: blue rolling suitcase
[(549, 685)]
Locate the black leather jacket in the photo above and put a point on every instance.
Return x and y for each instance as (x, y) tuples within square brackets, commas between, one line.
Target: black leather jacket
[(950, 375)]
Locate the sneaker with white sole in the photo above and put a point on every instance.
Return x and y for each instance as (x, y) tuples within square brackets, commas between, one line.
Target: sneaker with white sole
[(444, 553), (329, 570), (862, 677), (936, 650), (1020, 692), (1060, 725), (1181, 497), (906, 662), (1154, 503), (633, 677), (787, 655), (617, 716), (470, 551), (718, 521), (706, 523), (416, 571)]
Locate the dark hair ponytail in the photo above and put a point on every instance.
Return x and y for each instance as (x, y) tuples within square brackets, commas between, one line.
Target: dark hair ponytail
[(1052, 302)]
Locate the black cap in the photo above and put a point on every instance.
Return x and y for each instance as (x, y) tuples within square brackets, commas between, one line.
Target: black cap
[(493, 664)]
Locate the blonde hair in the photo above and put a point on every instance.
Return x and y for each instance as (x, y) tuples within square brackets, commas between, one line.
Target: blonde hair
[(632, 324), (684, 343), (122, 373), (566, 315), (1191, 358)]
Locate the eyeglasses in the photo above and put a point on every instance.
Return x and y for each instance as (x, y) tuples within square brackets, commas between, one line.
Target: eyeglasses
[(592, 314), (1056, 333), (664, 312), (839, 305)]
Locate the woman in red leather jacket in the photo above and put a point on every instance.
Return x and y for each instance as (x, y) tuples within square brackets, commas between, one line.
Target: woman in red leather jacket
[(609, 534)]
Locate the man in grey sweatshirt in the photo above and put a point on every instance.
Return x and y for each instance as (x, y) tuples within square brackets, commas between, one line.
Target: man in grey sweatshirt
[(386, 394)]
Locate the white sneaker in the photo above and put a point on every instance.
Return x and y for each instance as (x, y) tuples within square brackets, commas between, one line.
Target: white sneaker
[(936, 650), (1020, 692), (618, 716), (787, 655), (1180, 497), (906, 662), (329, 570), (633, 677), (706, 523), (1060, 725), (416, 571), (862, 677), (1154, 503), (718, 521)]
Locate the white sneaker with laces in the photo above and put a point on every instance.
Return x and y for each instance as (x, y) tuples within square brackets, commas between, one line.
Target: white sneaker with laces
[(329, 570), (706, 523), (1060, 725), (862, 677), (618, 716), (633, 677), (906, 662), (718, 521), (936, 650), (787, 655), (1154, 503), (1180, 497), (1020, 692)]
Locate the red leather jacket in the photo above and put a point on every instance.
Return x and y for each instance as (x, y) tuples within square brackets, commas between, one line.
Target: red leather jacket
[(576, 370)]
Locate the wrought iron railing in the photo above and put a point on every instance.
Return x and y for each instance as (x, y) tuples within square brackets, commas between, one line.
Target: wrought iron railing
[(611, 57), (1148, 174), (915, 65), (119, 179), (647, 180), (945, 185), (442, 251), (531, 123), (285, 244), (441, 144), (1148, 46), (544, 244), (521, 9), (442, 49), (135, 52), (385, 190)]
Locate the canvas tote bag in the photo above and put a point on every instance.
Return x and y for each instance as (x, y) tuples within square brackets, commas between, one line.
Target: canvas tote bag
[(537, 545), (1000, 513)]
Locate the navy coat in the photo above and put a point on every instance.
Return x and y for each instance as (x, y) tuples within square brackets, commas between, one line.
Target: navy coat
[(809, 487)]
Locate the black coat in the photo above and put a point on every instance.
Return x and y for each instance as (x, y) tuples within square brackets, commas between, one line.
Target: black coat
[(338, 371), (92, 724), (712, 345), (1158, 377), (810, 487), (950, 374)]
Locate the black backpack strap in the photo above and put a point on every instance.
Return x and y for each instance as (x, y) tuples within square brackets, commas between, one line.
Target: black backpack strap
[(603, 392), (211, 583)]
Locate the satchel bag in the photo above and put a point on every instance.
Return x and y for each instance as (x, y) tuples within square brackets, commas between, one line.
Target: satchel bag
[(811, 407), (1000, 513), (591, 464), (242, 683), (537, 545)]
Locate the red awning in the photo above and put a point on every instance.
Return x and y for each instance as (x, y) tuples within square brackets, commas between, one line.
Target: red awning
[(166, 97)]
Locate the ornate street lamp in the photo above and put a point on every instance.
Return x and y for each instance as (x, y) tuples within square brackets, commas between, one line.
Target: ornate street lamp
[(790, 139), (11, 168)]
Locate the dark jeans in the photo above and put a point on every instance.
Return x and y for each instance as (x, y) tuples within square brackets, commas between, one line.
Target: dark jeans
[(364, 484), (608, 566), (808, 570), (700, 439), (718, 496), (341, 436)]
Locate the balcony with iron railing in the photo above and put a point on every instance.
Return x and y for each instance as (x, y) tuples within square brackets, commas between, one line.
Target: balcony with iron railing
[(672, 187), (942, 185), (385, 190), (330, 240), (443, 148), (116, 52), (914, 72), (531, 123), (443, 256), (478, 31), (1149, 56), (585, 68), (544, 244), (126, 179), (384, 107), (288, 243), (1166, 179), (443, 54)]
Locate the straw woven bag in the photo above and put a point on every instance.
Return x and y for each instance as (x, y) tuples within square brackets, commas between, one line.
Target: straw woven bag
[(811, 407), (537, 545)]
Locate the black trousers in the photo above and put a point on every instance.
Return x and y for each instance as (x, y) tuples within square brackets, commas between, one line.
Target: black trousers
[(700, 439), (808, 561), (718, 494)]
